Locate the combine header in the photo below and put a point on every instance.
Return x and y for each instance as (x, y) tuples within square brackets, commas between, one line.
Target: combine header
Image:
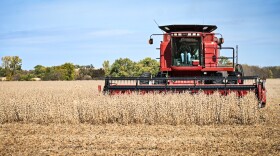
[(192, 59)]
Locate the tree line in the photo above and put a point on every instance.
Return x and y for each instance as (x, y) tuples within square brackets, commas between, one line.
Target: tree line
[(262, 72), (11, 69)]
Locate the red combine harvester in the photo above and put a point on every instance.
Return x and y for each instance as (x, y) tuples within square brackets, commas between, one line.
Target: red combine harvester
[(192, 59)]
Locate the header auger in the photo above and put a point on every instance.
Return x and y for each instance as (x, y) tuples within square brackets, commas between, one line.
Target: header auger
[(192, 58)]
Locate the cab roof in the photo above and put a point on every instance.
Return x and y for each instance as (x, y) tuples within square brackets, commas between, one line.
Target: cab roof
[(194, 28)]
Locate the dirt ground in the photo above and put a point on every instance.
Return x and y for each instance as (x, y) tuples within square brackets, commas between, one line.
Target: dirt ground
[(31, 139), (141, 139)]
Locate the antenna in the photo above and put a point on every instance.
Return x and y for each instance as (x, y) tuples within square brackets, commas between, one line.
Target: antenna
[(156, 22), (158, 25)]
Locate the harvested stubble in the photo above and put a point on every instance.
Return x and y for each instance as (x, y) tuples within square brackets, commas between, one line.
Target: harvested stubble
[(78, 102)]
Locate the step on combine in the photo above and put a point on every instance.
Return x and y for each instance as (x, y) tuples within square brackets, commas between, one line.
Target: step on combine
[(192, 59)]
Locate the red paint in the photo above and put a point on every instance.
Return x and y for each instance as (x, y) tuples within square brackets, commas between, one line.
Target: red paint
[(208, 92)]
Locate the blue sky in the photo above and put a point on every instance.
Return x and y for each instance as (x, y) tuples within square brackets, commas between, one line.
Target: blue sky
[(52, 32)]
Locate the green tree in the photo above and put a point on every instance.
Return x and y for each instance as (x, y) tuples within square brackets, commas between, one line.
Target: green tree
[(40, 71), (11, 65), (106, 67), (123, 67), (63, 72), (70, 71), (24, 75), (147, 65), (2, 72), (55, 73)]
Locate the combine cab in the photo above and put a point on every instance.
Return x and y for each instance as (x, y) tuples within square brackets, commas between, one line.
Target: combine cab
[(192, 59)]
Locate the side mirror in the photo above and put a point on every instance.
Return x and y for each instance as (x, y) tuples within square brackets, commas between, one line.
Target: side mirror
[(221, 41), (151, 41)]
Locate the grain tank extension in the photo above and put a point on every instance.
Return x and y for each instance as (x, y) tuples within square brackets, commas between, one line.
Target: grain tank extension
[(192, 58)]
